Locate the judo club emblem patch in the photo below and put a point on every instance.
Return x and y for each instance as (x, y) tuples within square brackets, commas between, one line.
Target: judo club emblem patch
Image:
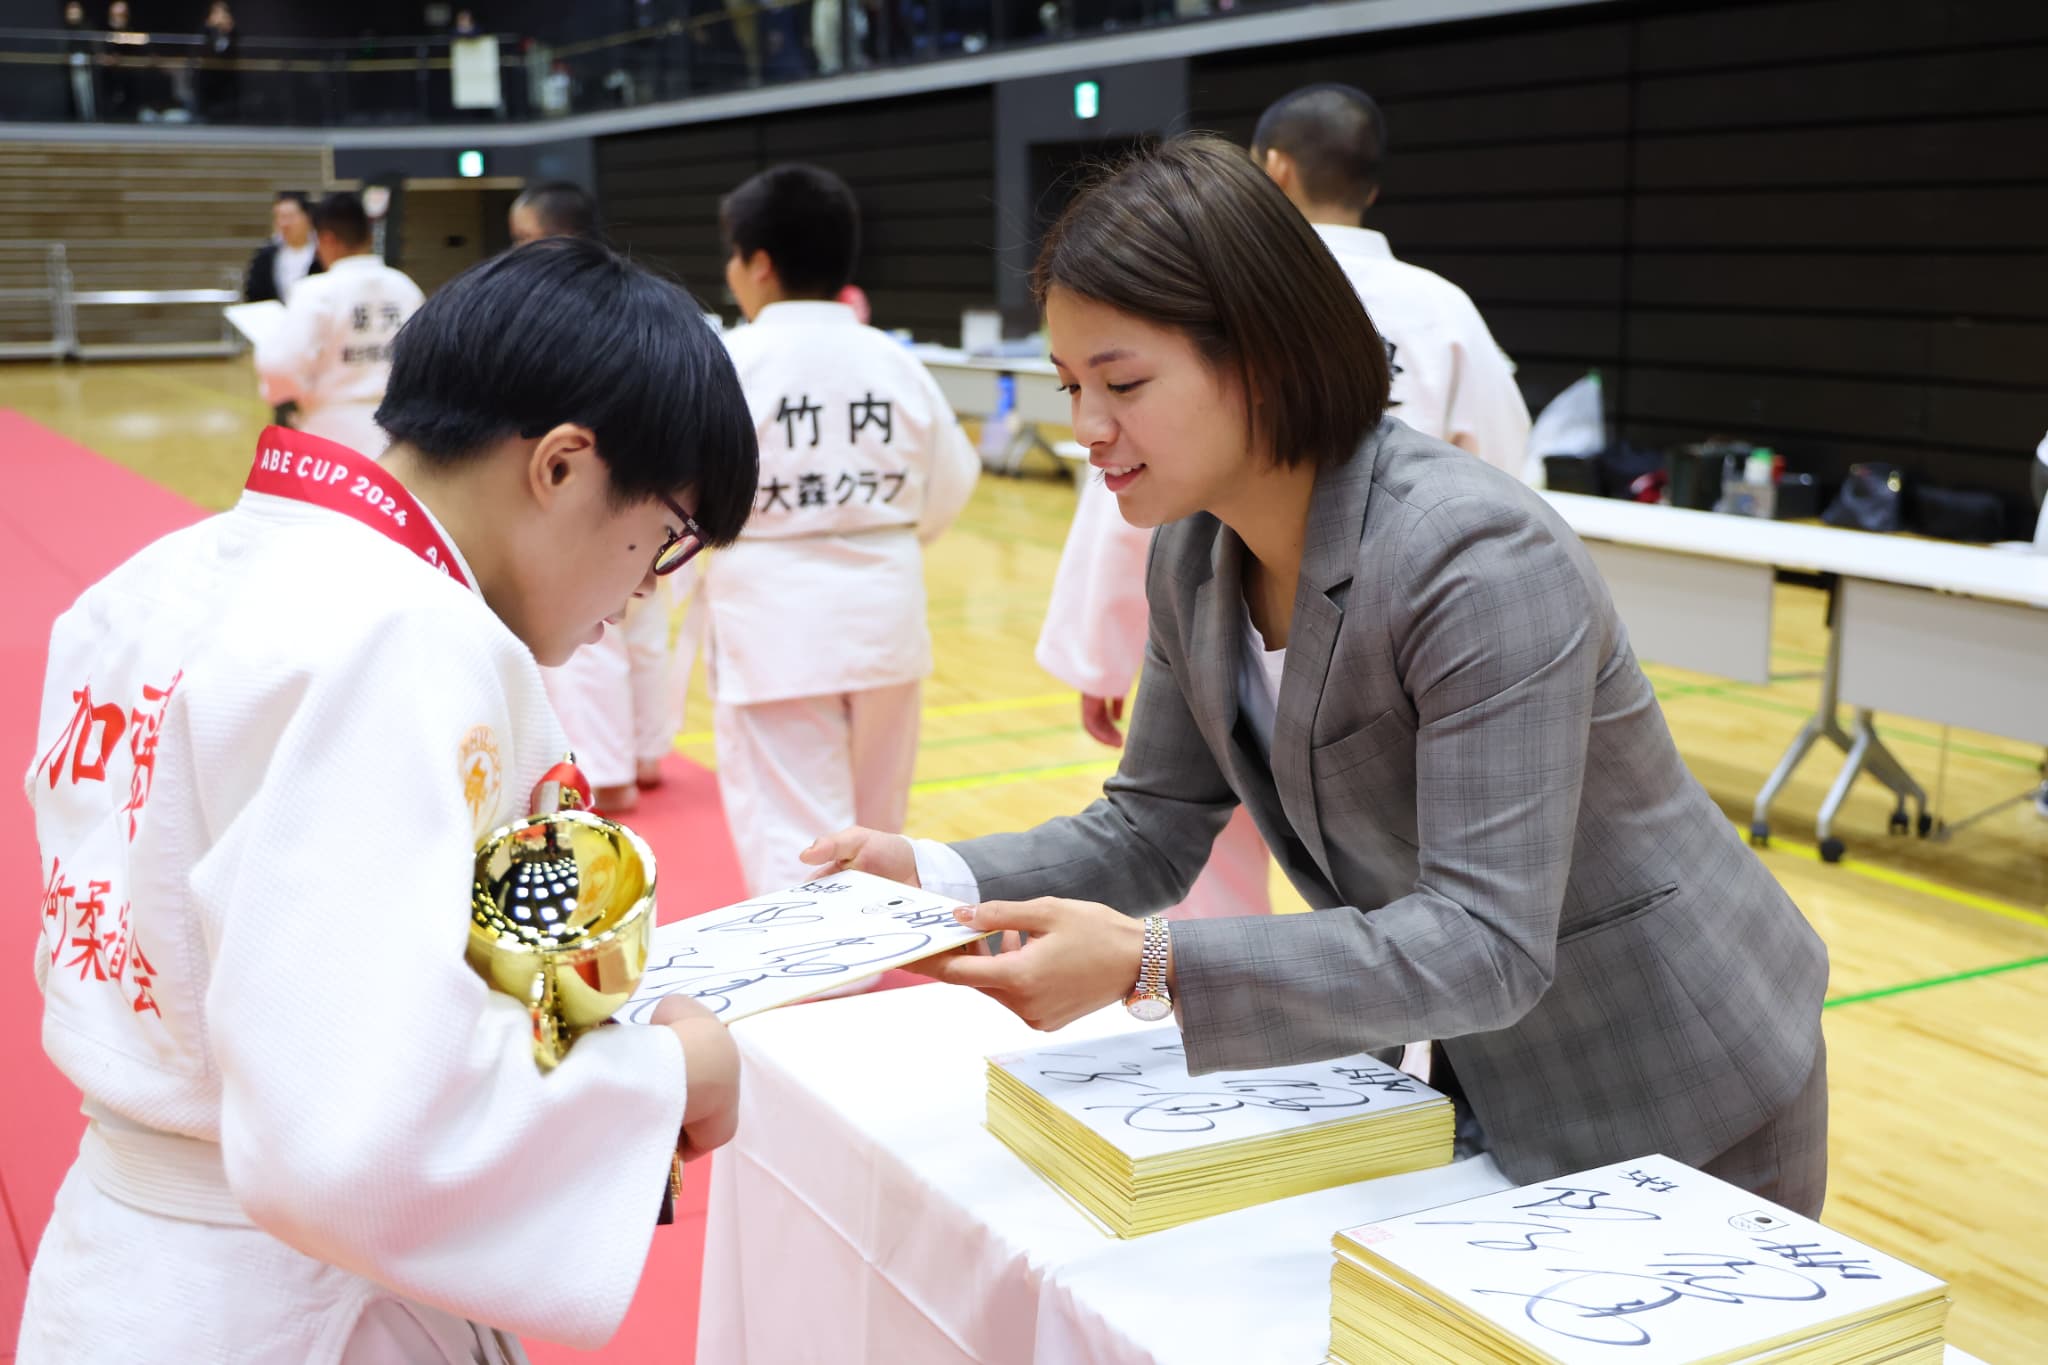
[(483, 776)]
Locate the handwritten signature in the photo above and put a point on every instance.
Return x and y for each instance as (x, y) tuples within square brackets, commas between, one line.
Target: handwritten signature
[(716, 986), (1602, 1306)]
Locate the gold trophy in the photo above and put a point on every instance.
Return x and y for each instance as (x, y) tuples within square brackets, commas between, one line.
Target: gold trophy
[(562, 914), (561, 919)]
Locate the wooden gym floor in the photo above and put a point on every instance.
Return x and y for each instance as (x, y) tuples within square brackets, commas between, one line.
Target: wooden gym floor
[(1937, 1021)]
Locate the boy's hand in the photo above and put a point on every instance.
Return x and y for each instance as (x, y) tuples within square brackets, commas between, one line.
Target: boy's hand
[(864, 850), (1099, 717), (711, 1062)]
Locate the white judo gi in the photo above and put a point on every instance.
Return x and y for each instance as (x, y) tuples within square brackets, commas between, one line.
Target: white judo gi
[(1450, 380), (818, 643), (267, 748), (620, 700), (332, 355)]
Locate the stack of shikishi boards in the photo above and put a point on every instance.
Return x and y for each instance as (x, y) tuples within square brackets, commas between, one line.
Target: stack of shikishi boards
[(1648, 1262), (1120, 1126)]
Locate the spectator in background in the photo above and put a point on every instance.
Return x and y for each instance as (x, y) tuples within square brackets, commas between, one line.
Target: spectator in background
[(783, 57), (121, 52), (828, 34), (558, 208), (78, 55), (289, 256), (466, 25), (220, 81), (745, 19), (332, 355)]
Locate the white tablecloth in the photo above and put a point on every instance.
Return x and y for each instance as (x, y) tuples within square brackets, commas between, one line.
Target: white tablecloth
[(864, 1214)]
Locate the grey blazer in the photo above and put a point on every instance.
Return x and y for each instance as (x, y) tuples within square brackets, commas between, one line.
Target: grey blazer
[(1473, 785)]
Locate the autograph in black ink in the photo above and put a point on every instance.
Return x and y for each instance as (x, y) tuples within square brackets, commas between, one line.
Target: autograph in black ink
[(716, 986), (1602, 1306)]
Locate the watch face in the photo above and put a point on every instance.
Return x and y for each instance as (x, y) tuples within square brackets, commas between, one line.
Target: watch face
[(1149, 1008)]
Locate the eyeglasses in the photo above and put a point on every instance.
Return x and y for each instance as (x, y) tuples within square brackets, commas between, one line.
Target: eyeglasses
[(681, 546)]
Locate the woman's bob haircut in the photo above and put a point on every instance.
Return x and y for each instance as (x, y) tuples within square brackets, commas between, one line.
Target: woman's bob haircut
[(1191, 235)]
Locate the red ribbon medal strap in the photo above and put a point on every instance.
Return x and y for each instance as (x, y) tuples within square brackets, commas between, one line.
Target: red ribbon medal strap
[(293, 464)]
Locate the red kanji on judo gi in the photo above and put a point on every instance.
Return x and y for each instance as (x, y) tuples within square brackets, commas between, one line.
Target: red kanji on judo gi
[(57, 894), (144, 728), (91, 958), (108, 719)]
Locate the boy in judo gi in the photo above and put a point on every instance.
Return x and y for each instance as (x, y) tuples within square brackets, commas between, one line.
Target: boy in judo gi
[(268, 747)]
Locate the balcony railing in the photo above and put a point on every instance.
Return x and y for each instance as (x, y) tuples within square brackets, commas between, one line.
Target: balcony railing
[(709, 46)]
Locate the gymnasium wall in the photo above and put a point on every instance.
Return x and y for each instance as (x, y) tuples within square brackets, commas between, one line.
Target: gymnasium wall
[(1820, 225), (922, 167)]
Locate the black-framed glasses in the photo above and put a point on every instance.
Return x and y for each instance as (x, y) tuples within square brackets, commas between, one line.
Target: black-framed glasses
[(681, 546)]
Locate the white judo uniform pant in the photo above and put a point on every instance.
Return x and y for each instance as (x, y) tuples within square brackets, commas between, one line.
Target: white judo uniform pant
[(790, 771), (620, 701)]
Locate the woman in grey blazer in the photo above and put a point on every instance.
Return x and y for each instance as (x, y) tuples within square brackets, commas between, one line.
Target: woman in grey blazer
[(1404, 664)]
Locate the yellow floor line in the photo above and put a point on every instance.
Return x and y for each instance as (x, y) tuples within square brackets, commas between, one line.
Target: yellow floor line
[(1093, 768), (1906, 881), (983, 708), (960, 708)]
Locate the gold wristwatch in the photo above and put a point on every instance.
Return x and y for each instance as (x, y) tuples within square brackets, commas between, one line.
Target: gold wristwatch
[(1148, 999)]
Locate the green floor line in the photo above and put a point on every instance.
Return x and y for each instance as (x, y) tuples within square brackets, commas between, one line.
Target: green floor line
[(1884, 992)]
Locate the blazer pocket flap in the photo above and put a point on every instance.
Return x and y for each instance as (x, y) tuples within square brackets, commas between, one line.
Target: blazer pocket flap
[(1361, 746), (1609, 916)]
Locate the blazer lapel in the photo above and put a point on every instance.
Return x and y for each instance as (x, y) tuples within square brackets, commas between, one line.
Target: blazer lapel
[(1336, 522), (1218, 640), (1213, 663)]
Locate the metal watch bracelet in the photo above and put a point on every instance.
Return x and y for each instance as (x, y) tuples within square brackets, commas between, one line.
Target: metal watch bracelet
[(1148, 999)]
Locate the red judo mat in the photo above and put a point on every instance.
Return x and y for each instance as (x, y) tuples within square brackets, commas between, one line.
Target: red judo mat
[(70, 517)]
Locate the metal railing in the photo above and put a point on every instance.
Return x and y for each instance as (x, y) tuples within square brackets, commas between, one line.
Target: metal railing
[(53, 300), (697, 47), (58, 301)]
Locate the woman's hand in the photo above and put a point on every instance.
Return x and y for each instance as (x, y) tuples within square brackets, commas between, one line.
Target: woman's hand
[(864, 850), (1080, 956)]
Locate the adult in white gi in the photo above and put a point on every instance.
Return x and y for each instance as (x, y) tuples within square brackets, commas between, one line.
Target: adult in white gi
[(818, 638), (268, 746), (1323, 145), (332, 355)]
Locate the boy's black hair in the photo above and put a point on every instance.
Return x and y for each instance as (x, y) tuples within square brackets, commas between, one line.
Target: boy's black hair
[(805, 218), (565, 209), (299, 197), (341, 213), (566, 330), (1337, 138)]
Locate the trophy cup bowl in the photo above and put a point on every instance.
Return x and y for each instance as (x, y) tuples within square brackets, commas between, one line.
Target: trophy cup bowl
[(561, 918)]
